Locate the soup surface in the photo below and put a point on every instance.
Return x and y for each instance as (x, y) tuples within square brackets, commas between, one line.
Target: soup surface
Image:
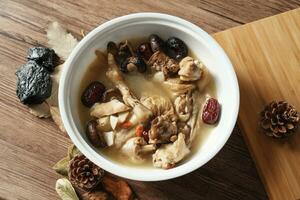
[(141, 85)]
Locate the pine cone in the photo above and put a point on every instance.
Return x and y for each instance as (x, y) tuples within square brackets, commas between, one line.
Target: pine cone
[(279, 119), (83, 173)]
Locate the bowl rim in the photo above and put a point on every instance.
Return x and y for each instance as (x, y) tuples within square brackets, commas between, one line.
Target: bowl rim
[(119, 170)]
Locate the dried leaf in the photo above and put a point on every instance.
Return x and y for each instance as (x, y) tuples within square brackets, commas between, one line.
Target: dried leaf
[(55, 76), (72, 151), (40, 110), (57, 118), (62, 42), (62, 166), (65, 189)]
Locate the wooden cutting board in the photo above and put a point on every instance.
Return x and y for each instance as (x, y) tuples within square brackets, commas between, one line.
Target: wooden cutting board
[(266, 58)]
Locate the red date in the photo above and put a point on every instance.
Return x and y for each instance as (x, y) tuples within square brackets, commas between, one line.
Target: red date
[(93, 93), (211, 111)]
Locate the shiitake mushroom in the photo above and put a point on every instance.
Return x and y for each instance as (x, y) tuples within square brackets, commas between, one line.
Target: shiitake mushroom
[(144, 50), (156, 43), (132, 63), (94, 135), (176, 48)]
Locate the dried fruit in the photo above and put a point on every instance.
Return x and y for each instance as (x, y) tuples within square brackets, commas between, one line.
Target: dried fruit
[(211, 111), (93, 93), (133, 63), (94, 135), (156, 43), (279, 119), (34, 84), (176, 48), (144, 50), (84, 174), (43, 56), (117, 187)]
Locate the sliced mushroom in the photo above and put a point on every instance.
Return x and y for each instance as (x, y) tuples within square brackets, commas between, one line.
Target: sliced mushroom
[(190, 69), (112, 107)]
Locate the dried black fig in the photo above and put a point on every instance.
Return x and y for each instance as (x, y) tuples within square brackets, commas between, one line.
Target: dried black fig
[(34, 84), (156, 43), (45, 57), (176, 48), (92, 94)]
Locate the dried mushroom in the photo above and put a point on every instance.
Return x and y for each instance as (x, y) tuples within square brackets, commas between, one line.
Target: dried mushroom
[(133, 63), (159, 61), (34, 84), (144, 51), (156, 43), (95, 136), (117, 187), (111, 94)]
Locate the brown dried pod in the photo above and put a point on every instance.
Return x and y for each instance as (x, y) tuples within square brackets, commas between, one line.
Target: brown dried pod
[(84, 174), (117, 187), (279, 119)]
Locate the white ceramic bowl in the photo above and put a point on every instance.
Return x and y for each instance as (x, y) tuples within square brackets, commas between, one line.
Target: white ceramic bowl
[(139, 25)]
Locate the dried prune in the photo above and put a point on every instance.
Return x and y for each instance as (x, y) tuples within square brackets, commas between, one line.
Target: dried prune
[(45, 57), (133, 63), (211, 111), (34, 84), (144, 50), (176, 48), (156, 43), (95, 136), (93, 93)]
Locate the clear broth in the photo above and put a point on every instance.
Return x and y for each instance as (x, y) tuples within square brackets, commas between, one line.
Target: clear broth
[(96, 72)]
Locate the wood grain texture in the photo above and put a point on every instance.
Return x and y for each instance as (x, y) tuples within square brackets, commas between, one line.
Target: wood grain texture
[(266, 56), (30, 146)]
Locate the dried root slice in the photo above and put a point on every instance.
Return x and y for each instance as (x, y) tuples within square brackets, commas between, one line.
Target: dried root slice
[(117, 187), (57, 118)]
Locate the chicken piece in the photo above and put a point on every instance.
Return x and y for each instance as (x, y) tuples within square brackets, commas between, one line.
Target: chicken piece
[(169, 154), (177, 88), (122, 135), (113, 73), (159, 106), (162, 129), (159, 61), (190, 69), (184, 129), (112, 107), (192, 122), (136, 147), (184, 106)]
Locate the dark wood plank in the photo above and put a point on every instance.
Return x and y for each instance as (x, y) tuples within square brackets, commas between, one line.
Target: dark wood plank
[(30, 146)]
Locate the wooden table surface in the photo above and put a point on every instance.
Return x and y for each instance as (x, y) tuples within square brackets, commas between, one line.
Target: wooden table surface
[(30, 146)]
